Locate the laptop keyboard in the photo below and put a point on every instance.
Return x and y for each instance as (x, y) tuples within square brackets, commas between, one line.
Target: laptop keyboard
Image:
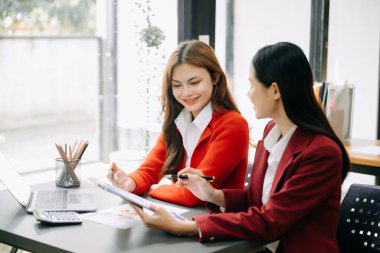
[(52, 200)]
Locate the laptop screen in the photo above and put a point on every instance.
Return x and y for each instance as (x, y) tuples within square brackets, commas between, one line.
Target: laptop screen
[(13, 181)]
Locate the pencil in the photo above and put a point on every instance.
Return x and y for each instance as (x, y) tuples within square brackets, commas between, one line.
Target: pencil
[(184, 177)]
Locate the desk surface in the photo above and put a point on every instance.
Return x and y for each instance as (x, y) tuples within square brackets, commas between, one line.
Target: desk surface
[(21, 230), (362, 159)]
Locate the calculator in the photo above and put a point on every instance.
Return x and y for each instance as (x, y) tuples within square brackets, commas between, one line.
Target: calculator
[(57, 217)]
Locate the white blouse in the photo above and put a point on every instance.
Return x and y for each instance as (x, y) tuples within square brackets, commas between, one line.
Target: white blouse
[(191, 130), (276, 149)]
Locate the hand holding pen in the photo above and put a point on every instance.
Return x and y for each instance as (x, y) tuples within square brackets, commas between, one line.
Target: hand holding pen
[(196, 183), (185, 177)]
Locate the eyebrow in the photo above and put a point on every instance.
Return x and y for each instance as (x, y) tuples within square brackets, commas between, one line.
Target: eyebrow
[(188, 80)]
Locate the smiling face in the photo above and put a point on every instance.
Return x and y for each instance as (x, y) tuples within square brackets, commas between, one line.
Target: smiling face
[(192, 87)]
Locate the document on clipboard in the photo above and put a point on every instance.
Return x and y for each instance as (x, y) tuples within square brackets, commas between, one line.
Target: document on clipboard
[(121, 193), (135, 199)]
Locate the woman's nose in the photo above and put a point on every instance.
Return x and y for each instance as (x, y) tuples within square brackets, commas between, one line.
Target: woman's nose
[(187, 90)]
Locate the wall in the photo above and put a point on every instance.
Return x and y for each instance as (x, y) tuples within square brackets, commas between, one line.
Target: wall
[(259, 23), (353, 55)]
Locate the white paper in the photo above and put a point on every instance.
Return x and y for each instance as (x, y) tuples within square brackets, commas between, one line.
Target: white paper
[(124, 216), (366, 150), (121, 193)]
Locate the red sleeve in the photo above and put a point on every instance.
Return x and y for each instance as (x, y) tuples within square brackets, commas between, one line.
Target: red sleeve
[(149, 171), (314, 179), (225, 158), (236, 200)]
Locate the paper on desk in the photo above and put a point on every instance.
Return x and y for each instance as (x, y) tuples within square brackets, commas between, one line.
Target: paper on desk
[(366, 150), (121, 217), (124, 216)]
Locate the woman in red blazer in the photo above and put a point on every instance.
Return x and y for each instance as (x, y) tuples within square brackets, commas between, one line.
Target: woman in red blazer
[(202, 129), (295, 187)]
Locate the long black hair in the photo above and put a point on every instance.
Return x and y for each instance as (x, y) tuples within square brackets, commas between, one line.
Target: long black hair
[(287, 65)]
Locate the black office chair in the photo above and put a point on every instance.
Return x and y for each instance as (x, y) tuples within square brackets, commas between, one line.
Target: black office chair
[(248, 175), (359, 220)]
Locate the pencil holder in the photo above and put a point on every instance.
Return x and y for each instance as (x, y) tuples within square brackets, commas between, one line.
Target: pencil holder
[(68, 173)]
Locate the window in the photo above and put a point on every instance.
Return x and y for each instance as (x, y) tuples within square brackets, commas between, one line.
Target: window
[(258, 23), (141, 63), (353, 55), (50, 69)]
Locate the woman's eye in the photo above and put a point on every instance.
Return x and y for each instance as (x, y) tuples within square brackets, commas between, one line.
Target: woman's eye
[(176, 85), (195, 83)]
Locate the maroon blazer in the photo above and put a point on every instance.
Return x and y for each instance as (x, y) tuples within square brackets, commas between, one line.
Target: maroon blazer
[(303, 206)]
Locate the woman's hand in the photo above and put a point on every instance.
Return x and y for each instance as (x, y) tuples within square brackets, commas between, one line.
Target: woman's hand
[(121, 179), (200, 187), (153, 187), (163, 220)]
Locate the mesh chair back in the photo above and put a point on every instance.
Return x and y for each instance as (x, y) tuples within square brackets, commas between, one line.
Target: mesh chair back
[(359, 220)]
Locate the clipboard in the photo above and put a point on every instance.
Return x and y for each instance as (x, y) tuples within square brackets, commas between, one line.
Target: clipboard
[(135, 199), (131, 197)]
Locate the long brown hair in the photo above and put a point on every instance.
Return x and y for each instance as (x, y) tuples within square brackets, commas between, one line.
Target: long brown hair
[(287, 65), (199, 54)]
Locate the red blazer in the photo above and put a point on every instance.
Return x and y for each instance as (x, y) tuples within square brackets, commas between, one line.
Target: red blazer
[(222, 151), (303, 207)]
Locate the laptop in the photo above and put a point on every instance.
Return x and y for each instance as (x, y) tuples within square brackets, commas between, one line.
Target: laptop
[(78, 200)]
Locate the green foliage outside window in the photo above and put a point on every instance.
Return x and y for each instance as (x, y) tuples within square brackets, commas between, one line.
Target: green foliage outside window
[(47, 17)]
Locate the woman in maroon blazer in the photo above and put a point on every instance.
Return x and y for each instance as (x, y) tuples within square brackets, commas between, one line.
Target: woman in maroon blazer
[(295, 187)]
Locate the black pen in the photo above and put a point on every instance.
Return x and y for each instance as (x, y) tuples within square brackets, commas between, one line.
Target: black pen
[(184, 177)]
